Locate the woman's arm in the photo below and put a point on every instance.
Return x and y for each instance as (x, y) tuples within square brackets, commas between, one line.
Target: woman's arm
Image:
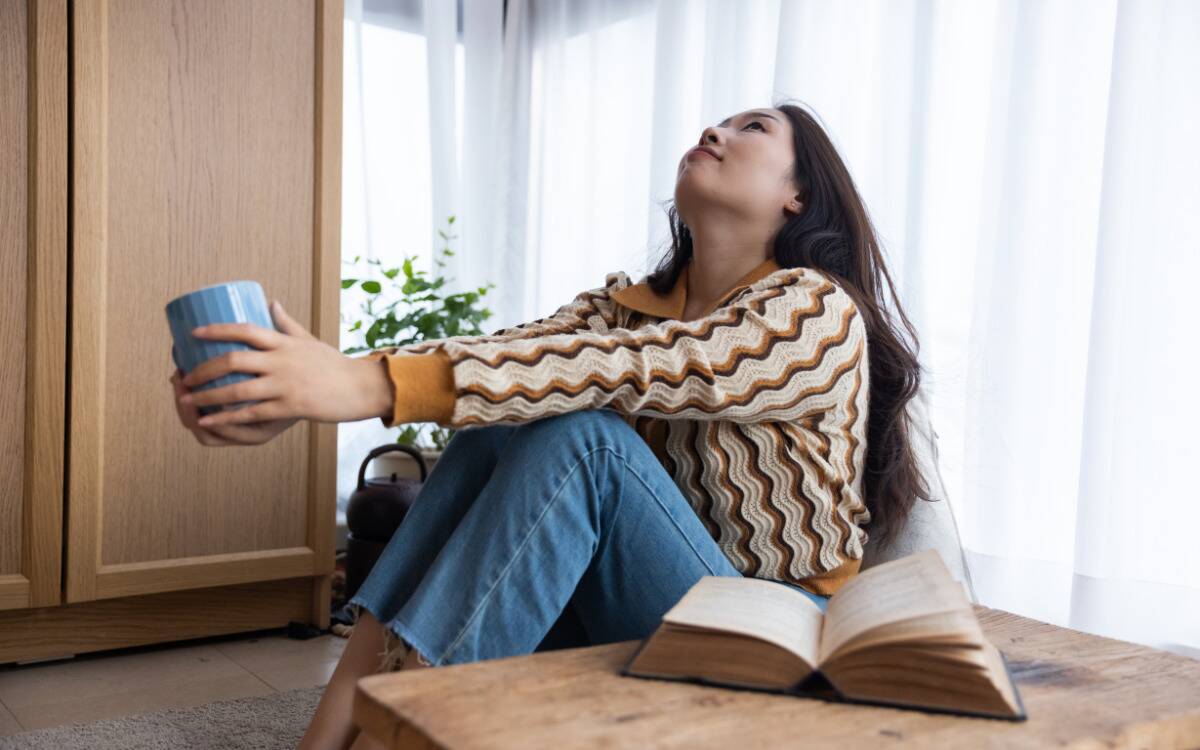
[(303, 377), (421, 373), (788, 346), (591, 310)]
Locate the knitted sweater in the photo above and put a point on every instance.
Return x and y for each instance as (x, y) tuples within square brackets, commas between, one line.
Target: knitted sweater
[(757, 409)]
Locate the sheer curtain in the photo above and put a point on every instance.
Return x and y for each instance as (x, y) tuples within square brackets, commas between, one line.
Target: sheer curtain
[(1030, 168)]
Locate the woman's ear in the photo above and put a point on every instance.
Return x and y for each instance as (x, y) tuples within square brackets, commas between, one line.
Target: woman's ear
[(793, 206)]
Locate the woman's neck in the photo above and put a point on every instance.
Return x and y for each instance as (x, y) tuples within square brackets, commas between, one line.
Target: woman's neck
[(712, 271)]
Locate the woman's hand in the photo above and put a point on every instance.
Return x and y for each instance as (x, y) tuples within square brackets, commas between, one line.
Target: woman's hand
[(220, 435), (300, 377)]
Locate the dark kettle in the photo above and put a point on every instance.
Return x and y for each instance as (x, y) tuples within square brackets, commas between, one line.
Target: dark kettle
[(379, 504), (374, 512)]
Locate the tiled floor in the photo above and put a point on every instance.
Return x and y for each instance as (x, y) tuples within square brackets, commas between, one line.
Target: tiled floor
[(118, 683)]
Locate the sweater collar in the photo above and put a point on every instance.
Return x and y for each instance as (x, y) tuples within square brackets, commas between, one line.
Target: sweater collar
[(642, 298)]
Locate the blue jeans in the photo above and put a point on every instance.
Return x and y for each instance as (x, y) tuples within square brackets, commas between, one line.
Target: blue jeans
[(564, 531)]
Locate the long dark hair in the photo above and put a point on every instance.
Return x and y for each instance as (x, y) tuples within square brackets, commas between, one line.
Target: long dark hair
[(833, 233)]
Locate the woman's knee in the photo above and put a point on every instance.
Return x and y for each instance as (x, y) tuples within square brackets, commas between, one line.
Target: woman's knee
[(589, 428), (479, 443)]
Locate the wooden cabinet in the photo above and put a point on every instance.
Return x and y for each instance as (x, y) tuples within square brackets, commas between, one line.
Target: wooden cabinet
[(33, 323), (151, 147)]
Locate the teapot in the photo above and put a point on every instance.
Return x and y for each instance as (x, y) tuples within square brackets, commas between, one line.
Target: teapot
[(374, 512)]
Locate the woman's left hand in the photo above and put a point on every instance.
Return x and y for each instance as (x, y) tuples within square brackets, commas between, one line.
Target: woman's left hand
[(299, 376)]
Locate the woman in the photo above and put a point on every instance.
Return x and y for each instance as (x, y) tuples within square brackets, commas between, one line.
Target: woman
[(641, 437)]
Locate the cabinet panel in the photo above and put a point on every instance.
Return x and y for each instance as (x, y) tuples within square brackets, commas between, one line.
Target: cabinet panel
[(202, 154), (14, 166), (33, 238)]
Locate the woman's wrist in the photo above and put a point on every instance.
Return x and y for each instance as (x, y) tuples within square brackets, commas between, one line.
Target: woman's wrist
[(376, 386)]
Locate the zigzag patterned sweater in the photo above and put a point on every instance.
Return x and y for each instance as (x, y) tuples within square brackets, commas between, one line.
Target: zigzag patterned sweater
[(757, 409)]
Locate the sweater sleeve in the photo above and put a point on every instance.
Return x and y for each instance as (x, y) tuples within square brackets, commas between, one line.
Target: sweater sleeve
[(784, 348), (421, 373)]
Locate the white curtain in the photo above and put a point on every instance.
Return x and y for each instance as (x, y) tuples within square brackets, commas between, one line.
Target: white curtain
[(1030, 168)]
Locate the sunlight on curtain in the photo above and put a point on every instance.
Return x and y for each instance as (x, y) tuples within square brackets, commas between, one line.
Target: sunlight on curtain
[(386, 164), (588, 182)]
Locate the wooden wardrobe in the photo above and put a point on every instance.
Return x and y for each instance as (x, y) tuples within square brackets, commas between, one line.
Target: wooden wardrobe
[(149, 148)]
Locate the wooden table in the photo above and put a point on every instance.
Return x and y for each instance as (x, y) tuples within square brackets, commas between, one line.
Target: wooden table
[(1080, 691)]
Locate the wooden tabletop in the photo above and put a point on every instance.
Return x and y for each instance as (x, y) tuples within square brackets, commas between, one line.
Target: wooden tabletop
[(1079, 690)]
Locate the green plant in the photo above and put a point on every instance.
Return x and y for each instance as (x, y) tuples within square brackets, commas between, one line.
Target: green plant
[(417, 313)]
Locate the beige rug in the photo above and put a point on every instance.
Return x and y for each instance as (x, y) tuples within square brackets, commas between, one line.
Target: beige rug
[(265, 722)]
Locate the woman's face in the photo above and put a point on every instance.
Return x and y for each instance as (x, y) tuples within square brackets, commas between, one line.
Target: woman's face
[(752, 176)]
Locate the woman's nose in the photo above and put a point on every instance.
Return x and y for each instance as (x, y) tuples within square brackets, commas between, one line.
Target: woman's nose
[(709, 135)]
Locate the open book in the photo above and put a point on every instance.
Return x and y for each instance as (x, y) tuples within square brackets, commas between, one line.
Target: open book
[(899, 634)]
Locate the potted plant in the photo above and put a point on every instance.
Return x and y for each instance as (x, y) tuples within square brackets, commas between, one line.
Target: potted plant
[(408, 310)]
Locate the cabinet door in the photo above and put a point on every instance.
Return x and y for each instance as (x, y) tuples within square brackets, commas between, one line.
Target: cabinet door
[(206, 137), (33, 324)]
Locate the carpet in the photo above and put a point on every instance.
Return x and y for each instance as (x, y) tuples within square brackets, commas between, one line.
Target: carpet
[(265, 722)]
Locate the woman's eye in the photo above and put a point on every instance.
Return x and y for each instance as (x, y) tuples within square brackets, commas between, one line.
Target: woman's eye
[(755, 122)]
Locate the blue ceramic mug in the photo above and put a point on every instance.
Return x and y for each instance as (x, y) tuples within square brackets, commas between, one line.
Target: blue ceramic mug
[(231, 302)]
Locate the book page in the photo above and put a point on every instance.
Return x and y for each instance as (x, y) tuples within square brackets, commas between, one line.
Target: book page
[(754, 607), (915, 586), (960, 680)]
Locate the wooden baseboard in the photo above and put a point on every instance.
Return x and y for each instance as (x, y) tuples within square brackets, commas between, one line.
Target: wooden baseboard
[(49, 632)]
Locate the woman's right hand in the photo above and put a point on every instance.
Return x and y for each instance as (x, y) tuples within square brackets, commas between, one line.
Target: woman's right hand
[(255, 433)]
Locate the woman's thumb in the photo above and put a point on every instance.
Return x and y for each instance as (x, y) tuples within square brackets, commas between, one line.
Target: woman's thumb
[(285, 323)]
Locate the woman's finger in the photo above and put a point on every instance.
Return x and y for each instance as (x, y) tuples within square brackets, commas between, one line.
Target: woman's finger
[(212, 440), (238, 434), (251, 362), (263, 411), (189, 415), (247, 333), (255, 389), (286, 323), (187, 412)]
